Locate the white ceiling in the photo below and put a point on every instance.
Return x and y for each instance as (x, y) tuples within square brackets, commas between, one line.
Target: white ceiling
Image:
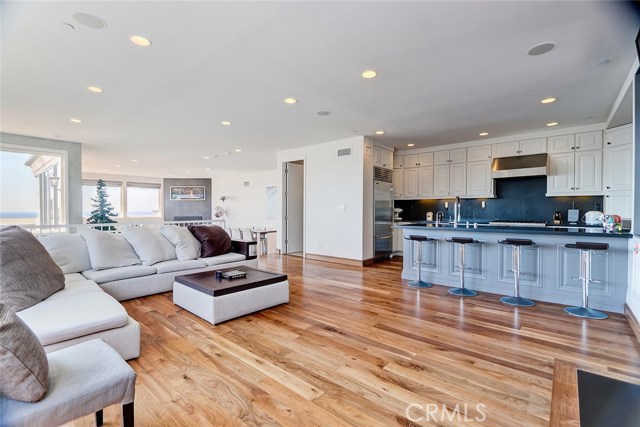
[(447, 71)]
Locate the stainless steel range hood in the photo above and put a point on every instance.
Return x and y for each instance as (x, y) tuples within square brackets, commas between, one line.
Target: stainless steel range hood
[(511, 167)]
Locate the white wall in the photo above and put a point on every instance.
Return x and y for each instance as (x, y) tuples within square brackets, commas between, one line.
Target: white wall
[(333, 197), (245, 206)]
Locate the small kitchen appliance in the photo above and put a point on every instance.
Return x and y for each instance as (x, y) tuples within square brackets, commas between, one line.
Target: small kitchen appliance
[(593, 218), (557, 217), (396, 214)]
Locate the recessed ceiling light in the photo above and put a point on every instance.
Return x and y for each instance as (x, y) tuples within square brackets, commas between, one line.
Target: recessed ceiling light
[(410, 145), (237, 150), (140, 41), (548, 100), (552, 124), (75, 120), (206, 157), (290, 100), (483, 133), (134, 160), (94, 89), (226, 122), (541, 48), (89, 21), (379, 132), (369, 74)]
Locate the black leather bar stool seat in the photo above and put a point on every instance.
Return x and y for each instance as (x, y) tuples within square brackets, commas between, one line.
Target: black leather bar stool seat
[(586, 250), (418, 241), (516, 299), (462, 291)]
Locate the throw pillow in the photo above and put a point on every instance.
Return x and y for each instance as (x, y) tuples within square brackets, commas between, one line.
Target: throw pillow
[(187, 246), (29, 274), (215, 241), (25, 369), (150, 245), (69, 251), (108, 250)]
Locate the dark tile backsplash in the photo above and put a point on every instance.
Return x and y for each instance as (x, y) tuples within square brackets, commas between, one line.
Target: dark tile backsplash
[(517, 199)]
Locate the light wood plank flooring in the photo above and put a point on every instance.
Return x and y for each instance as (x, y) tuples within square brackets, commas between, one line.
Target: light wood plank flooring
[(356, 347)]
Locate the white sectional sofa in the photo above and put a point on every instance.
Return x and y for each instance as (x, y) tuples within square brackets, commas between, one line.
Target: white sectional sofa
[(88, 308)]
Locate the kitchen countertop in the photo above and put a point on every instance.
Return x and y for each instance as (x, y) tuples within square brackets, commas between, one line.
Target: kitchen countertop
[(570, 230)]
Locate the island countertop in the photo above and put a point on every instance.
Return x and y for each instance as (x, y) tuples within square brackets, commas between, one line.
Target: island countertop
[(569, 230)]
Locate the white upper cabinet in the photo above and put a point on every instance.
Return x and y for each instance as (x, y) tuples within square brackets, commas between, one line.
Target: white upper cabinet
[(575, 173), (560, 180), (398, 183), (398, 162), (410, 183), (578, 141), (479, 153), (382, 158), (618, 136), (441, 180), (519, 148), (417, 160), (425, 159), (618, 168), (588, 172), (458, 155), (479, 182), (425, 181)]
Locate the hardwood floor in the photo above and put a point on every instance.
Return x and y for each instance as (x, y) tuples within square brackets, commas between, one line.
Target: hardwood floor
[(356, 347)]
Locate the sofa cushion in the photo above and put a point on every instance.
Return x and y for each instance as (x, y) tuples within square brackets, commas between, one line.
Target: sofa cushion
[(175, 265), (187, 246), (24, 363), (75, 288), (214, 240), (62, 319), (29, 274), (74, 277), (108, 250), (102, 276), (222, 259), (69, 251), (150, 245)]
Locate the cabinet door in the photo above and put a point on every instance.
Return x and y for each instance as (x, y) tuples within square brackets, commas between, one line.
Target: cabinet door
[(411, 161), (459, 155), (388, 159), (441, 157), (562, 143), (505, 149), (561, 174), (411, 182), (479, 153), (398, 183), (425, 181), (398, 162), (479, 182), (588, 167), (441, 180), (619, 203), (532, 146), (589, 140), (458, 179), (618, 168), (378, 157), (618, 136), (425, 159), (397, 240)]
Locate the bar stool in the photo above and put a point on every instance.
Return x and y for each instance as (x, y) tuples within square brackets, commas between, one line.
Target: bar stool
[(586, 249), (418, 241), (516, 299), (462, 291)]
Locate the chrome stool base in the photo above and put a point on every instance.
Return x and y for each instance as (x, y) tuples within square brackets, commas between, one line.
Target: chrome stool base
[(419, 284), (586, 312), (463, 292), (517, 301)]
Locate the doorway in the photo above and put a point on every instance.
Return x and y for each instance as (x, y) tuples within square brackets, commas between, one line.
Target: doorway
[(293, 242)]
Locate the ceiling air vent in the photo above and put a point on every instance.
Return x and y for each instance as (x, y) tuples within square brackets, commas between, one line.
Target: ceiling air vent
[(344, 152), (246, 183)]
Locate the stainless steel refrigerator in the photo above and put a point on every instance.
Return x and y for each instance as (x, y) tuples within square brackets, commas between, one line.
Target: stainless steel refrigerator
[(383, 213)]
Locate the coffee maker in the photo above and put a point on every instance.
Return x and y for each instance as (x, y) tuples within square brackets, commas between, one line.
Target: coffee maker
[(557, 217)]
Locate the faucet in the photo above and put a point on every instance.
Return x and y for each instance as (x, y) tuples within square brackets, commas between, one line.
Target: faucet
[(456, 212), (439, 217)]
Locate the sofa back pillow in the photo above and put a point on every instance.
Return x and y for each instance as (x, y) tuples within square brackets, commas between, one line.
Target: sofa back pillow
[(29, 274), (108, 250), (150, 245), (25, 368), (187, 246), (214, 240), (69, 251)]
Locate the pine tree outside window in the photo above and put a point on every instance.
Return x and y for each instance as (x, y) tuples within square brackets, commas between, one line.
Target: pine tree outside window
[(113, 191)]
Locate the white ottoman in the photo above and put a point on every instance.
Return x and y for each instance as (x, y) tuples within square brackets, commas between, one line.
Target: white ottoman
[(217, 300)]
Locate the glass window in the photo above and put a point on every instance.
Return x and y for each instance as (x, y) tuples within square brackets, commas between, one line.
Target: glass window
[(143, 199), (114, 196)]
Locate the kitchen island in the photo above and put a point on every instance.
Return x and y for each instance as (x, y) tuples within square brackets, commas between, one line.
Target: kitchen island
[(550, 266)]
